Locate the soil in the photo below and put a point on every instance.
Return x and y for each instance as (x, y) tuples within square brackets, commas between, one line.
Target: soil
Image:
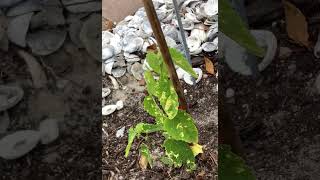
[(76, 152), (204, 108), (278, 114)]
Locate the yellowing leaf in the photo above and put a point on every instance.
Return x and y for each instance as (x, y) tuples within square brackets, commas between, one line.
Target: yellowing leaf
[(209, 65), (143, 162), (196, 149), (297, 26)]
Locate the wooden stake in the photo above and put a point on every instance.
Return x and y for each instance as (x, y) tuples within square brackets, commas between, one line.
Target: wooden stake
[(156, 27)]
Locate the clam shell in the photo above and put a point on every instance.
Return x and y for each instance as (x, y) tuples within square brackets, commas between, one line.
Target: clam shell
[(188, 78), (108, 52), (194, 44), (108, 67), (199, 33), (91, 36), (132, 43), (137, 71), (18, 27), (105, 92), (187, 25), (49, 130), (118, 72), (109, 109), (24, 7), (45, 42), (209, 47), (10, 96), (18, 144)]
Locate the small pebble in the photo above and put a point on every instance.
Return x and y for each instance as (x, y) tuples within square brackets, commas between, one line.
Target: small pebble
[(120, 132)]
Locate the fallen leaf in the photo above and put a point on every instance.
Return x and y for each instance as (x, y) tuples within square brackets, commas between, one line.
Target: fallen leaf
[(143, 162), (107, 24), (297, 26), (209, 65), (196, 149), (38, 76), (152, 48)]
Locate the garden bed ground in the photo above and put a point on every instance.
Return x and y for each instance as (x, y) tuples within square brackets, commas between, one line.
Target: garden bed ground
[(204, 108), (278, 115)]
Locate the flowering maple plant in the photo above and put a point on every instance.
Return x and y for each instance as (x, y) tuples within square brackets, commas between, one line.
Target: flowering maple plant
[(162, 103)]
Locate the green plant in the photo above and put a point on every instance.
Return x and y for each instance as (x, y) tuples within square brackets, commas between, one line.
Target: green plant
[(162, 103)]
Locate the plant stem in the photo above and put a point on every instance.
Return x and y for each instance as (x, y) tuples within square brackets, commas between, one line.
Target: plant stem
[(156, 27)]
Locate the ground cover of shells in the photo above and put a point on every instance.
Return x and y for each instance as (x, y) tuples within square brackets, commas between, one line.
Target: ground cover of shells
[(277, 115), (124, 46), (49, 71)]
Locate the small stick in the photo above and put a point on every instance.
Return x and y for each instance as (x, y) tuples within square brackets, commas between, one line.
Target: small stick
[(156, 27)]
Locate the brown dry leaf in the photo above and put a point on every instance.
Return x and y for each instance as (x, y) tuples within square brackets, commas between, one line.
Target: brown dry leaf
[(209, 65), (143, 162), (38, 76), (152, 48), (297, 26), (106, 24)]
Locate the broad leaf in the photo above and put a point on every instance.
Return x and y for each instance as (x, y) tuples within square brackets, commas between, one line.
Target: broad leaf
[(152, 84), (231, 24), (180, 153), (182, 127), (196, 149), (232, 166), (169, 98), (154, 61), (182, 62), (146, 153), (139, 129), (151, 107)]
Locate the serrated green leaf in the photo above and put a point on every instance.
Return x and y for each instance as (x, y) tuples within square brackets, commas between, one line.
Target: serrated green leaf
[(182, 127), (152, 84), (180, 153), (139, 129), (179, 59), (151, 107), (154, 60), (144, 150), (232, 166), (231, 24)]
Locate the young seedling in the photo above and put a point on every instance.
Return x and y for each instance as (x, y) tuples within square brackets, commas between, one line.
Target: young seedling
[(162, 103)]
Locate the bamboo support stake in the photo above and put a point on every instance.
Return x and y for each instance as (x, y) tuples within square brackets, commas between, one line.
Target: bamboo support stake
[(156, 27)]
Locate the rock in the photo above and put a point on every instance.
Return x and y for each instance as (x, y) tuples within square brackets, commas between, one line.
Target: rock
[(137, 71), (109, 109), (114, 82), (45, 42), (18, 144), (49, 130), (76, 7), (120, 132), (284, 52), (18, 27), (230, 93), (119, 72), (4, 121), (90, 36), (74, 33)]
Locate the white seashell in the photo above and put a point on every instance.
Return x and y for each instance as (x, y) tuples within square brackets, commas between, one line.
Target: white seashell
[(120, 132), (18, 144), (49, 130), (194, 44), (171, 31), (108, 52), (135, 22), (181, 73), (209, 47), (132, 43), (187, 25), (191, 17), (188, 78), (105, 92), (171, 42), (114, 82), (211, 8), (118, 72), (109, 109), (115, 41), (128, 18), (108, 67), (146, 27), (137, 71), (18, 27), (10, 96), (119, 105), (317, 48), (199, 33)]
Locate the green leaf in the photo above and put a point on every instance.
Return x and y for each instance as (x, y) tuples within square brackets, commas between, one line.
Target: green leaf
[(144, 150), (231, 24), (152, 85), (154, 60), (179, 59), (169, 98), (180, 153), (182, 127), (151, 107), (131, 136), (140, 128), (232, 166), (167, 161)]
